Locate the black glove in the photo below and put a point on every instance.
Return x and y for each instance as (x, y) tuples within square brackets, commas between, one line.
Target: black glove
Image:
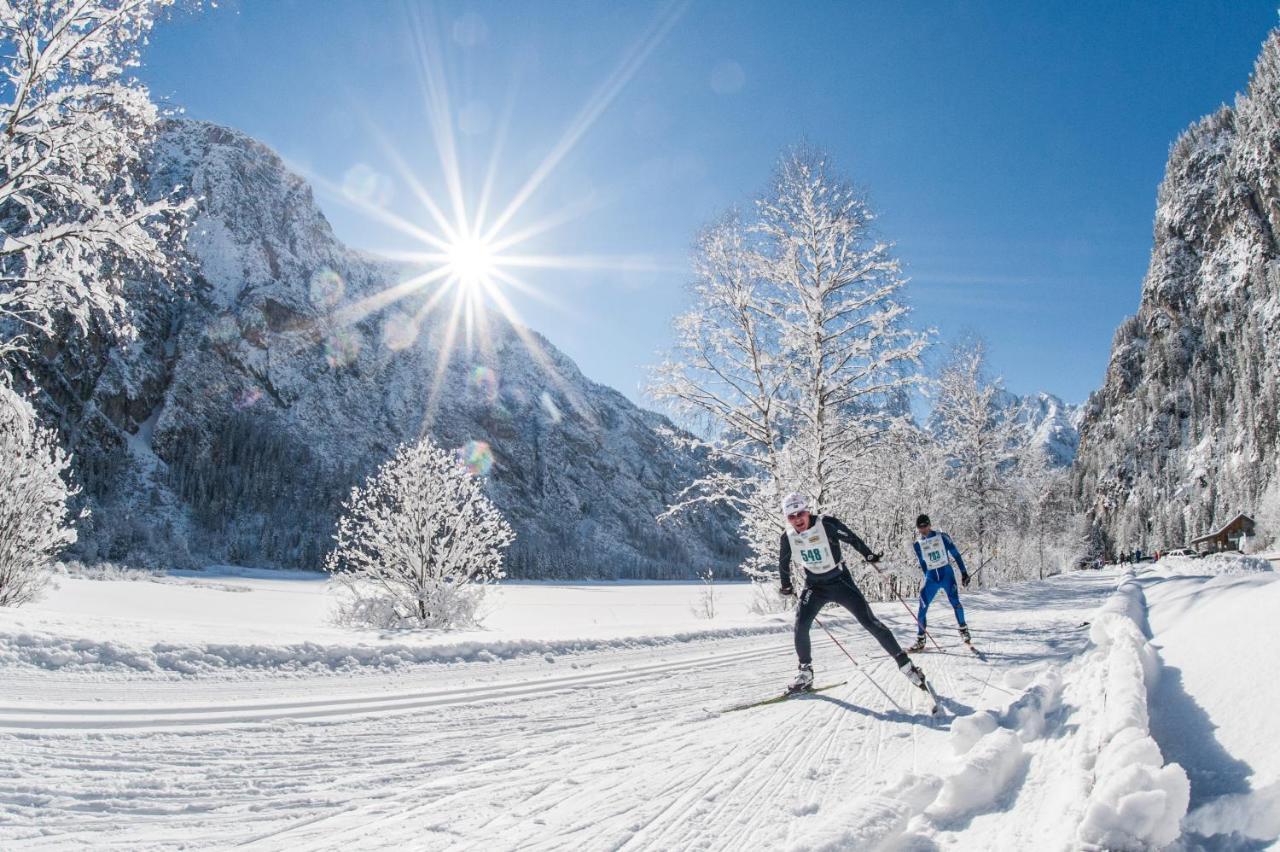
[(874, 558), (964, 579), (786, 591)]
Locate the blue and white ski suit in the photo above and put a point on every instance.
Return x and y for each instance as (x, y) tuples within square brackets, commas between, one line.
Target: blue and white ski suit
[(937, 550)]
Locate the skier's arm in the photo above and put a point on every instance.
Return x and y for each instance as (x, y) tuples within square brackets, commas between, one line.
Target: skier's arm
[(955, 554), (915, 545), (784, 561), (848, 536)]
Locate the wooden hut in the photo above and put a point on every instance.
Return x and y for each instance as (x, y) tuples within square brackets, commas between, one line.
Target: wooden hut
[(1227, 537)]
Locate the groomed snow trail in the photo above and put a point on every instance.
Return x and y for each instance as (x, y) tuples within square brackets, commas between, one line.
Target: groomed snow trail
[(613, 749)]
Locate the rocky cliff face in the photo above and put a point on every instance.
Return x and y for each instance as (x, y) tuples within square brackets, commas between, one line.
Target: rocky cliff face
[(236, 423), (1184, 432)]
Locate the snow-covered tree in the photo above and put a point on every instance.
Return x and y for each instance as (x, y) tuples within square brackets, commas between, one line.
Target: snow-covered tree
[(834, 295), (418, 543), (73, 129), (981, 446), (792, 349), (33, 500)]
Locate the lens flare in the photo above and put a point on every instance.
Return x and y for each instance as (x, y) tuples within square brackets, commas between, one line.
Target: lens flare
[(483, 382), (247, 399), (549, 406), (327, 288), (399, 331), (341, 348), (476, 457)]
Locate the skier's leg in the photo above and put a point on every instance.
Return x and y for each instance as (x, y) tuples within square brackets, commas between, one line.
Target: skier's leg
[(930, 589), (806, 612), (848, 596), (953, 595)]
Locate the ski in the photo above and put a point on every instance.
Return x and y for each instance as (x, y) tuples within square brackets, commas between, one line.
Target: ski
[(777, 699), (936, 709)]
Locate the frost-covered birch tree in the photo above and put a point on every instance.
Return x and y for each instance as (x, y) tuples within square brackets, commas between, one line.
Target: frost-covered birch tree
[(418, 543), (73, 129), (834, 296), (33, 500)]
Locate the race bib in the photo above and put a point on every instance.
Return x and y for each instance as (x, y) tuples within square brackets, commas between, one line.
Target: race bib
[(812, 549), (934, 552)]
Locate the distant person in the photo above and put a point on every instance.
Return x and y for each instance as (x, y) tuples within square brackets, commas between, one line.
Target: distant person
[(815, 542), (936, 553)]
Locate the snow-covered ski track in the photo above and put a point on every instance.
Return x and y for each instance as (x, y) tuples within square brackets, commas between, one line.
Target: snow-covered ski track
[(604, 750)]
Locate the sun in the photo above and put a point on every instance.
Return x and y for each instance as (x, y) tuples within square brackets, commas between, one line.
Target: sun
[(471, 260)]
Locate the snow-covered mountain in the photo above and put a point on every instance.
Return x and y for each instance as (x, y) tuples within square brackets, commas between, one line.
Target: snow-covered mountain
[(236, 423), (1049, 423), (1185, 431), (1045, 420)]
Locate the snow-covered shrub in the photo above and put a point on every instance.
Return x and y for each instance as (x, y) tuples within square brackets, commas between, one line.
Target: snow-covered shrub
[(417, 544), (33, 500)]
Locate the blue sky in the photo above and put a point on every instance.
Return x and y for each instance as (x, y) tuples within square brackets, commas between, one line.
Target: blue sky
[(1012, 149)]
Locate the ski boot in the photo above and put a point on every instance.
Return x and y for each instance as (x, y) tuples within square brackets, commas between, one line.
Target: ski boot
[(964, 634), (803, 681), (913, 673), (919, 646)]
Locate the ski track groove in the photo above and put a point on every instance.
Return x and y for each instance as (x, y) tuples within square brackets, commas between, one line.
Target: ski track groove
[(555, 774)]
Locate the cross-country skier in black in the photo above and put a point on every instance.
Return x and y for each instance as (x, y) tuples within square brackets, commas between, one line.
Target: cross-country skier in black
[(814, 542)]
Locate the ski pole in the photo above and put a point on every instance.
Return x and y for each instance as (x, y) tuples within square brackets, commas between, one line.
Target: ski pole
[(857, 665), (980, 567), (914, 617)]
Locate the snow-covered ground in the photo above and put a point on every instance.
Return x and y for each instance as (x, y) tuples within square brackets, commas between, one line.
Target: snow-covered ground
[(170, 714)]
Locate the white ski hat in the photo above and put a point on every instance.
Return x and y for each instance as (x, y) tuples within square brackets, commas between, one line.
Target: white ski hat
[(794, 502)]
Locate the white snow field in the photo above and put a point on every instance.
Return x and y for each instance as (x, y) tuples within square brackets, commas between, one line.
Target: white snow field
[(222, 711)]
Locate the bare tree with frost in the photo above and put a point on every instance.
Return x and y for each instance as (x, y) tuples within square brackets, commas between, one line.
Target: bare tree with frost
[(723, 379), (418, 543), (73, 129), (834, 297), (33, 500)]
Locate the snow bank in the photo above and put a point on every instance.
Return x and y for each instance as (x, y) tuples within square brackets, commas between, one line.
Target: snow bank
[(1025, 716), (1218, 563), (983, 776), (990, 759), (250, 623), (1137, 801), (48, 651)]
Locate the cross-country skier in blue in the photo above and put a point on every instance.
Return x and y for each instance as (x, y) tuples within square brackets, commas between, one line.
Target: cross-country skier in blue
[(936, 554)]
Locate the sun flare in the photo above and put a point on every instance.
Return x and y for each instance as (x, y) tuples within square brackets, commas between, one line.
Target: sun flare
[(470, 250), (472, 261)]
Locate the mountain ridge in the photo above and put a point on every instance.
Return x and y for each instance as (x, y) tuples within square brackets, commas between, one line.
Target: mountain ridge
[(235, 424)]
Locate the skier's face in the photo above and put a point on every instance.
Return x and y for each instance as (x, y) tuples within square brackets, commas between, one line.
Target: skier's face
[(923, 529), (799, 520)]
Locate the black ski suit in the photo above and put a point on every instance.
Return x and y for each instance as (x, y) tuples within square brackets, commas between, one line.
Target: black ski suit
[(835, 586)]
